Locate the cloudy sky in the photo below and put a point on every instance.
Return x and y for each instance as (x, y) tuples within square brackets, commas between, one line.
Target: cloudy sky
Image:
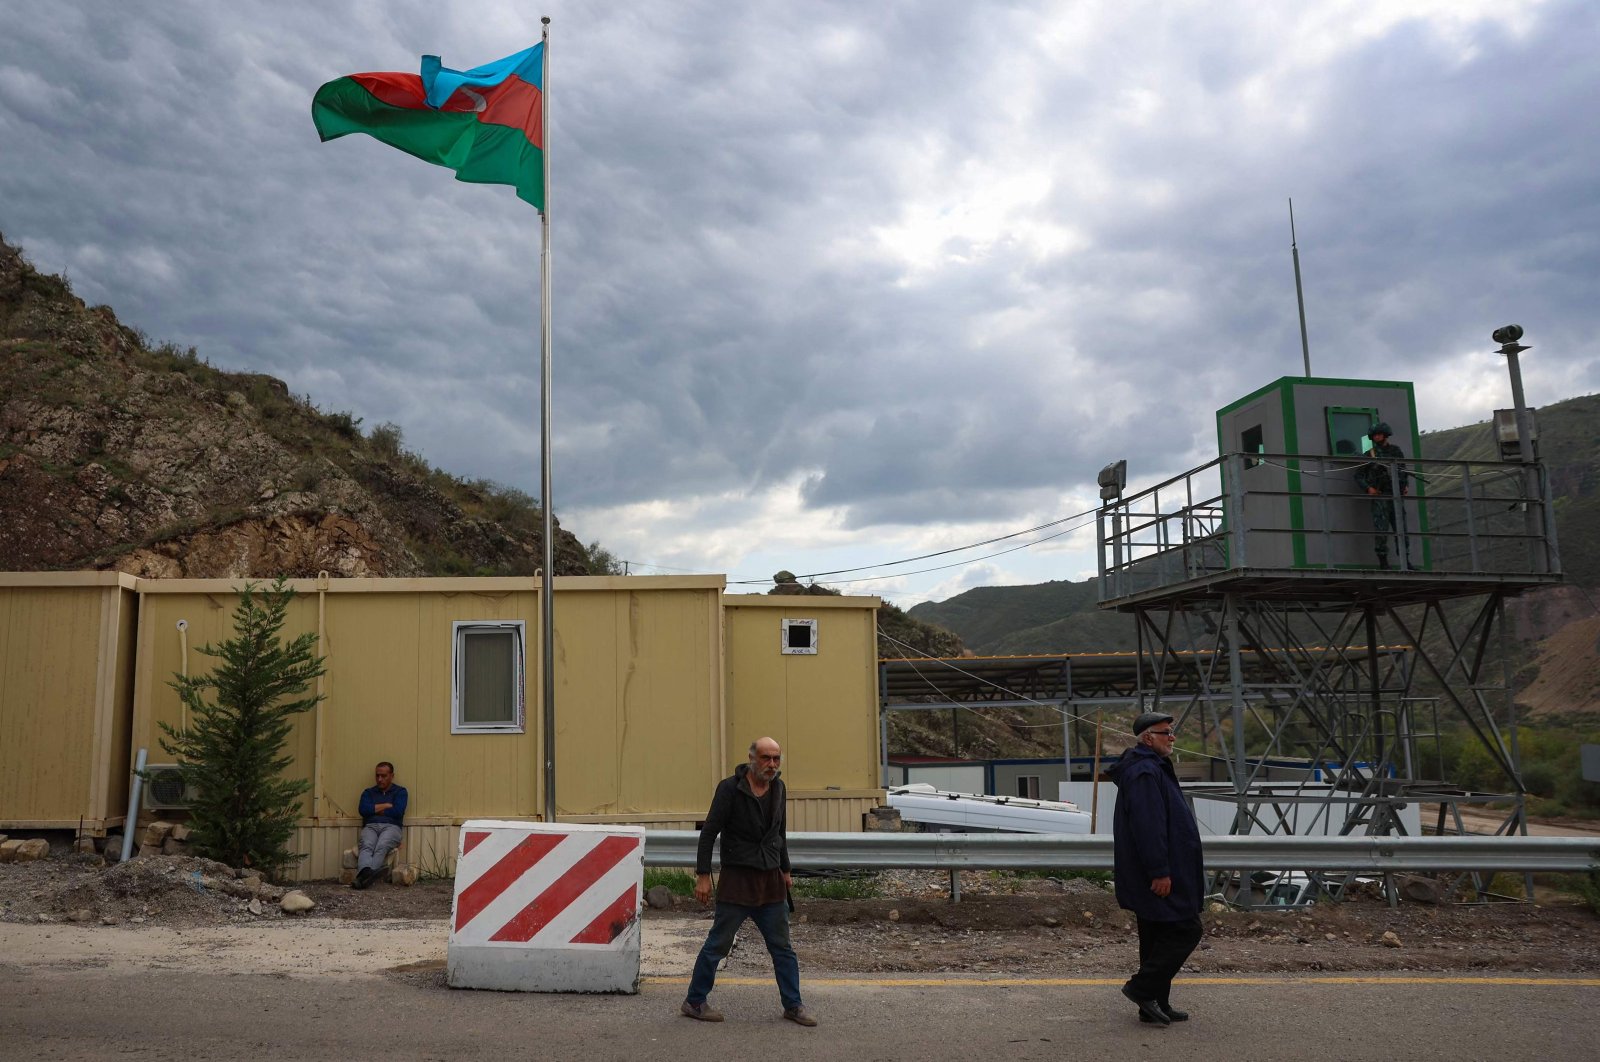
[(834, 283)]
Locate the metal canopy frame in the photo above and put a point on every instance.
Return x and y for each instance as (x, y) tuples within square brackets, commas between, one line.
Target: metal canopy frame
[(1066, 683)]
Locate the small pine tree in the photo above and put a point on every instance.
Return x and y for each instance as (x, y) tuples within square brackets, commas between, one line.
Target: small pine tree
[(232, 754)]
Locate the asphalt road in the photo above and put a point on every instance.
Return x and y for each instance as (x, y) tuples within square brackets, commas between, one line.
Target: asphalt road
[(159, 1014)]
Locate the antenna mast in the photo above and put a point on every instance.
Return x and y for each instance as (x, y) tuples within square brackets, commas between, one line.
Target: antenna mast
[(1299, 295)]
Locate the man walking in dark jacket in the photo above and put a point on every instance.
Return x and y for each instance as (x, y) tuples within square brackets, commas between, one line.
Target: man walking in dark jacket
[(1159, 873), (748, 812)]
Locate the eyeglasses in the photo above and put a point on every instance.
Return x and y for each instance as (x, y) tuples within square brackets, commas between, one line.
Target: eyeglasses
[(1160, 733)]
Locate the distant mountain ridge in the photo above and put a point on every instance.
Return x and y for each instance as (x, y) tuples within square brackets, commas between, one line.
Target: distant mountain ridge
[(1051, 617)]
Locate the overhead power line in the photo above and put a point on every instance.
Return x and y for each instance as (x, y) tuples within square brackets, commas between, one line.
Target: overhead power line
[(937, 553), (944, 567)]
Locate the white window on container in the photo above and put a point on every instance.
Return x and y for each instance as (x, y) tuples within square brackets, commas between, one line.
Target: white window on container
[(799, 637), (487, 678), (1028, 786)]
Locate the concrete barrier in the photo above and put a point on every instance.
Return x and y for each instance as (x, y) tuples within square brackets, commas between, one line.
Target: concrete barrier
[(546, 907)]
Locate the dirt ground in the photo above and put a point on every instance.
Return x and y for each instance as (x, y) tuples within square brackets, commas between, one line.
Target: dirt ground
[(1004, 924)]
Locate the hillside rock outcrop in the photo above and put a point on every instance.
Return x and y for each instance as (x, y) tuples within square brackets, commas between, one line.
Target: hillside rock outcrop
[(116, 454)]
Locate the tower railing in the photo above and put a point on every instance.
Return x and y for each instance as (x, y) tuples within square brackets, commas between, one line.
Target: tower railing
[(1307, 516)]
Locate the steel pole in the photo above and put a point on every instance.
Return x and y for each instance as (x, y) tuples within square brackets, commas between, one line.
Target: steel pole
[(547, 612), (1530, 478), (1299, 292), (130, 821)]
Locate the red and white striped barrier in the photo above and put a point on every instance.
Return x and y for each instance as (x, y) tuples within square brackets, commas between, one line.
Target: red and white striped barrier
[(547, 907)]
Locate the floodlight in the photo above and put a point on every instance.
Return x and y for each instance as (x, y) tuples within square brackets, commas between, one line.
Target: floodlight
[(1113, 478)]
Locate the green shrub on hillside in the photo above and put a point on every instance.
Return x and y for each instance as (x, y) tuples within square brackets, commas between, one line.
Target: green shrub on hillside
[(1552, 770)]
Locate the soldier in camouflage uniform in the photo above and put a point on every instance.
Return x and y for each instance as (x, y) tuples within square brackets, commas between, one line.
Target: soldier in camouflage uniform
[(1374, 479)]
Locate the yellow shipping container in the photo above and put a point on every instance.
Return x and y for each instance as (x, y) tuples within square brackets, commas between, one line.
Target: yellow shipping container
[(638, 697), (803, 669), (661, 684), (66, 682)]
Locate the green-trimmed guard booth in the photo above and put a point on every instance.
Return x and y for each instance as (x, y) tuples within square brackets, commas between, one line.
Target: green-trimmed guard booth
[(1303, 439)]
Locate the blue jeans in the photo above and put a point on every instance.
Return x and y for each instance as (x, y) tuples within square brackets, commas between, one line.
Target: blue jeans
[(773, 921)]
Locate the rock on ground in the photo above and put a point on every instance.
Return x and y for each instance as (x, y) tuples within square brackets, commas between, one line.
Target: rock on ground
[(296, 902), (29, 850)]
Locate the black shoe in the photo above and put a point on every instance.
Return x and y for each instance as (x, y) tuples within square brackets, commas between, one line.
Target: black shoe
[(1383, 562), (1173, 1013), (363, 878), (1149, 1010)]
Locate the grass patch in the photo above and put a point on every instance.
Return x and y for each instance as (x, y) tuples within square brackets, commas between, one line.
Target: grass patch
[(678, 881), (433, 865), (1584, 886), (854, 887), (1507, 883), (833, 887), (1010, 881), (1099, 877)]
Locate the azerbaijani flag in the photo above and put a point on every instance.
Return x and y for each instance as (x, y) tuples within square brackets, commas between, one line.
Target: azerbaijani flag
[(486, 123)]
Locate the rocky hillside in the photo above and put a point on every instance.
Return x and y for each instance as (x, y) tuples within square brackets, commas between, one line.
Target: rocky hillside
[(118, 453)]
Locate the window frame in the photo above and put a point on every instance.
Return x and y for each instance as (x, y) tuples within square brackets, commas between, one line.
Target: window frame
[(1331, 415), (1037, 787), (1253, 458), (459, 631), (791, 624)]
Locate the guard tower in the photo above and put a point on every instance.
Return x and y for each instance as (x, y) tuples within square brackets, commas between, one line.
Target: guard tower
[(1267, 554), (1328, 420)]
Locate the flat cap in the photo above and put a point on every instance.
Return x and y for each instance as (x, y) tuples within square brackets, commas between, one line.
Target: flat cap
[(1147, 720)]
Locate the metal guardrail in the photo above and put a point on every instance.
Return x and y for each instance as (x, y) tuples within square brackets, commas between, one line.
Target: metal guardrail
[(1009, 851)]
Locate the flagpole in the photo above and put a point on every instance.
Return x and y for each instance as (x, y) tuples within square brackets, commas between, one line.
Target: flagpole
[(547, 610)]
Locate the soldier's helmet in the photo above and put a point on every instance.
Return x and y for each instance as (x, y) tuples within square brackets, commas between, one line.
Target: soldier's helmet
[(1380, 428)]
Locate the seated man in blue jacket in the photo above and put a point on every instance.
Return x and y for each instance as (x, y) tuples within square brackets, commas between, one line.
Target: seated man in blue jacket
[(1159, 873), (383, 813)]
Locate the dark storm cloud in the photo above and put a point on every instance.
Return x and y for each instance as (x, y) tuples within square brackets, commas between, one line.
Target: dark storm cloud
[(931, 263)]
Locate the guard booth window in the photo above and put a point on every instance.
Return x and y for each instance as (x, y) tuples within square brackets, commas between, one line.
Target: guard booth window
[(1252, 441), (1347, 430), (1028, 786)]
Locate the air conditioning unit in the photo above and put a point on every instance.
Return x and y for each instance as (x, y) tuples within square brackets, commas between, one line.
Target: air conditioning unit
[(164, 787)]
